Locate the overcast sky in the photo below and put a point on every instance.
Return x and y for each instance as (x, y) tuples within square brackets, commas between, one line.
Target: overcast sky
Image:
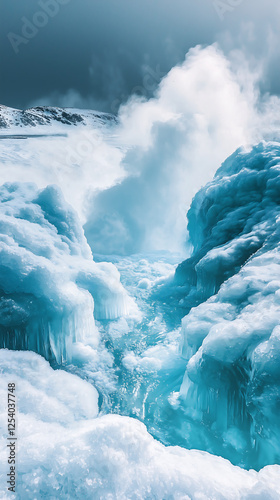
[(95, 53)]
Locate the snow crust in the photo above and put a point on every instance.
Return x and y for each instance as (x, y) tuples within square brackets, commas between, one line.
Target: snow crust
[(65, 452), (50, 286)]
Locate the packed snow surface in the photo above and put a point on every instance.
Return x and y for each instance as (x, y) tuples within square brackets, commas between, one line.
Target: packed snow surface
[(150, 361)]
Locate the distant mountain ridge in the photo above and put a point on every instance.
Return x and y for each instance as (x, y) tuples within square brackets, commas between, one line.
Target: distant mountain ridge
[(48, 115)]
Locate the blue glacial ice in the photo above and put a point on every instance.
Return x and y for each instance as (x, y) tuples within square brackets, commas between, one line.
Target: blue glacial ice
[(51, 289), (230, 338)]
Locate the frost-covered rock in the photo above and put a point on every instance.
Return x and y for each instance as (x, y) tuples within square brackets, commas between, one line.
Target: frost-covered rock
[(231, 340), (65, 452), (49, 283), (11, 118)]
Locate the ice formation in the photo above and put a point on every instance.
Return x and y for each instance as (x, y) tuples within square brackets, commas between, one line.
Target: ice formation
[(231, 337), (220, 391), (50, 285), (65, 452)]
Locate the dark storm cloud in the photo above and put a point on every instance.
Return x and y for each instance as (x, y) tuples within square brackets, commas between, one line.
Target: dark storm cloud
[(105, 49)]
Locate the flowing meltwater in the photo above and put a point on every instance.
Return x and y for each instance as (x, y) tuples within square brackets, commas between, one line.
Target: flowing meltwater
[(146, 366), (140, 370)]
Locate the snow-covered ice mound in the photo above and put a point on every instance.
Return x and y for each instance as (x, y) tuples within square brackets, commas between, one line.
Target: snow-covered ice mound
[(65, 452), (49, 395), (232, 340), (50, 286)]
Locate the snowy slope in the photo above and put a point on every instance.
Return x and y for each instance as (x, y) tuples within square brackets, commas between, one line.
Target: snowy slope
[(49, 116), (78, 150), (50, 288)]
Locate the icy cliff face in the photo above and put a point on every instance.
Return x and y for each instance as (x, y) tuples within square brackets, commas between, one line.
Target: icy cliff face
[(232, 340), (50, 287), (65, 452)]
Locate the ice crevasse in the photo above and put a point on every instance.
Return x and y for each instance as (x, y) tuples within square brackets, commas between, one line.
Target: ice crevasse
[(231, 287), (51, 289)]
